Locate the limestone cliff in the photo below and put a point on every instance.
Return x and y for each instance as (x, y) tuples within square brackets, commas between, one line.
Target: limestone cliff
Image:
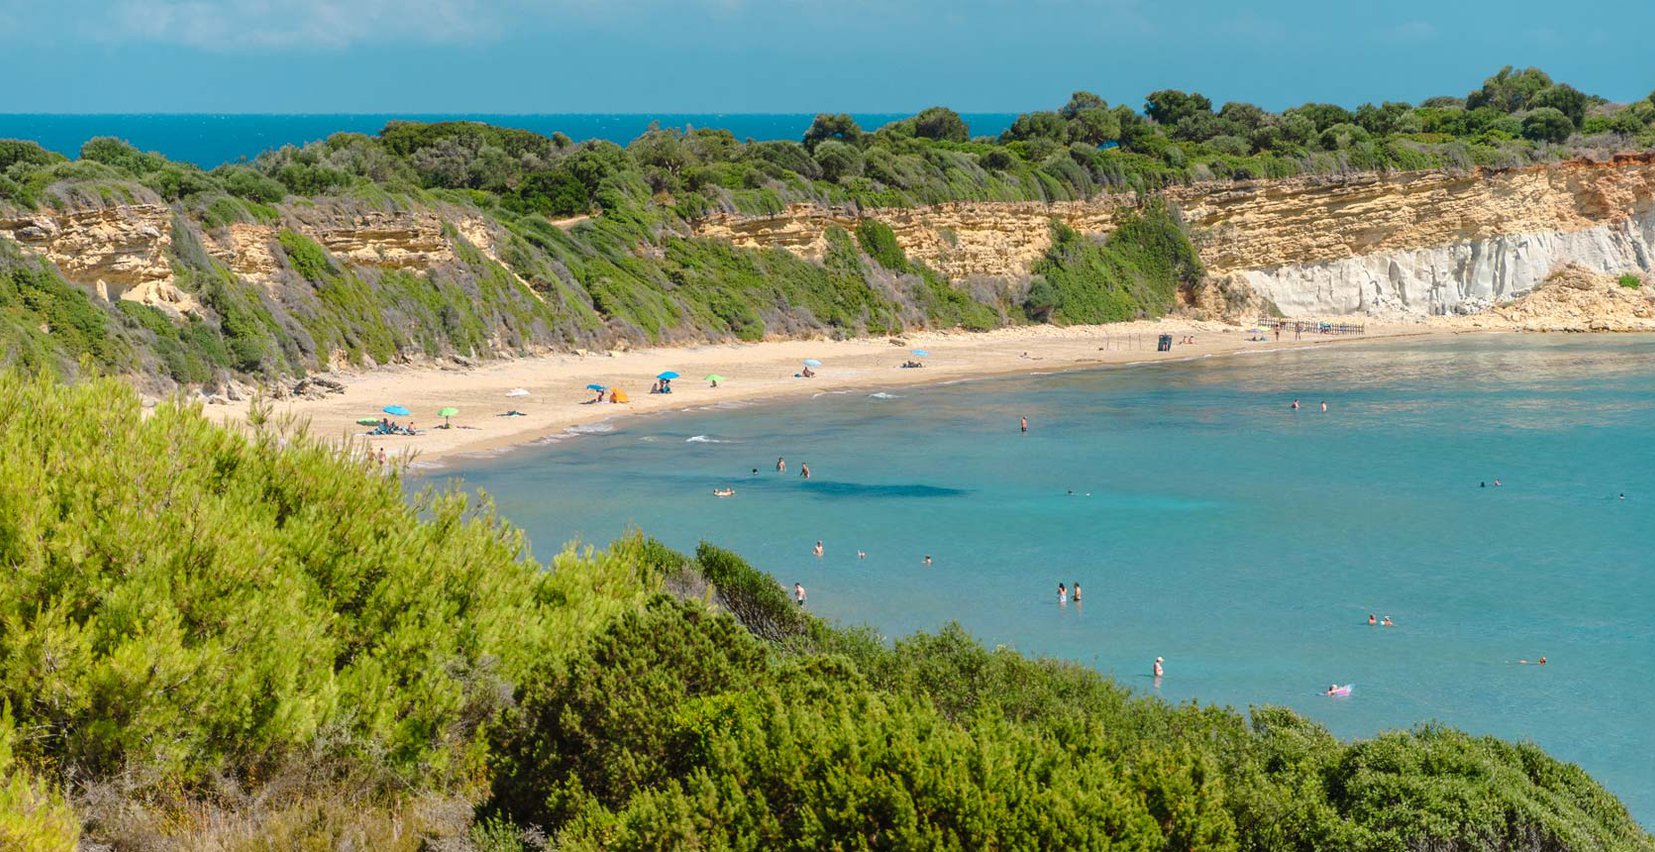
[(120, 250), (1415, 243), (123, 251)]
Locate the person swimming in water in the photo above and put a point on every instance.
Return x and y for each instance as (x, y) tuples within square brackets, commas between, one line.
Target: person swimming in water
[(818, 548), (1333, 689), (1386, 622), (1295, 405), (1539, 662), (1324, 406), (724, 492), (1371, 620), (861, 554), (927, 560)]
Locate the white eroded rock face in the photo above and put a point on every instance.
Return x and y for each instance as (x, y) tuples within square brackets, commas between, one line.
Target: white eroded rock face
[(1452, 279)]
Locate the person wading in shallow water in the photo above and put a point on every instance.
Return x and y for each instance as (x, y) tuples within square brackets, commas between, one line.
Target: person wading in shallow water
[(799, 594), (1023, 423), (781, 465), (804, 470)]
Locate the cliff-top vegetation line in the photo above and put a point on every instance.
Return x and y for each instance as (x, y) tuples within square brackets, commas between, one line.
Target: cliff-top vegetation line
[(552, 243)]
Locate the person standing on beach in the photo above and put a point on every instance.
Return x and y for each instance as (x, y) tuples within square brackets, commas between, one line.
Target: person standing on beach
[(804, 470), (1024, 424), (799, 594), (781, 465)]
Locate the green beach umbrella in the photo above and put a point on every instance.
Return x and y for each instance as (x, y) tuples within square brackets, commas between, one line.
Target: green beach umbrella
[(714, 378), (367, 421), (446, 413)]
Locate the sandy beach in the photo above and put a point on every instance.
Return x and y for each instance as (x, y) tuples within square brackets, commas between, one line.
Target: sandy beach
[(753, 372)]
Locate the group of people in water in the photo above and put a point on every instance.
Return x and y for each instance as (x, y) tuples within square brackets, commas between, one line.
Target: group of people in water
[(781, 467), (1063, 594)]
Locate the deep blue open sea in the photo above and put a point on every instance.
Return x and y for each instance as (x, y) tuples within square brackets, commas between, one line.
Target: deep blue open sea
[(1244, 542), (210, 140)]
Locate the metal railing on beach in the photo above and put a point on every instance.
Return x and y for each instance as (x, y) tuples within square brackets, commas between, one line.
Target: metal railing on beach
[(1308, 327)]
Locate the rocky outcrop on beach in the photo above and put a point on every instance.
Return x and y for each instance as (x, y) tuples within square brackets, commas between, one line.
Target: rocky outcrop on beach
[(1575, 298)]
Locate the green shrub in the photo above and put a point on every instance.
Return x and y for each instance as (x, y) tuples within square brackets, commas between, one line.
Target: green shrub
[(878, 241), (300, 601), (1631, 281), (1135, 273)]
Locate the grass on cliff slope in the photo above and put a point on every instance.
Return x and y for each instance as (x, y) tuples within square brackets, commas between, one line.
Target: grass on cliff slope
[(1135, 273), (244, 639)]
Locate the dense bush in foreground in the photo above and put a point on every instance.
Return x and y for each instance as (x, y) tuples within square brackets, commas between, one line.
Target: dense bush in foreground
[(251, 641)]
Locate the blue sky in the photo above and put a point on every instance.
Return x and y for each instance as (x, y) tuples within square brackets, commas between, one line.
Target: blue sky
[(527, 56)]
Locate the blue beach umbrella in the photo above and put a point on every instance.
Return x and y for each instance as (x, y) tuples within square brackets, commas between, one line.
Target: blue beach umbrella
[(921, 353), (812, 362), (398, 411), (596, 387), (668, 375)]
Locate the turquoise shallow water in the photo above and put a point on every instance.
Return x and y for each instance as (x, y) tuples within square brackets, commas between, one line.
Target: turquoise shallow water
[(1211, 525)]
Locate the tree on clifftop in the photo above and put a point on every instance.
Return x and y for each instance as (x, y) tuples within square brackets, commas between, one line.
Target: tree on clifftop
[(841, 127), (1037, 125), (1170, 106), (1509, 91), (1564, 98), (838, 160), (1547, 125), (941, 123)]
